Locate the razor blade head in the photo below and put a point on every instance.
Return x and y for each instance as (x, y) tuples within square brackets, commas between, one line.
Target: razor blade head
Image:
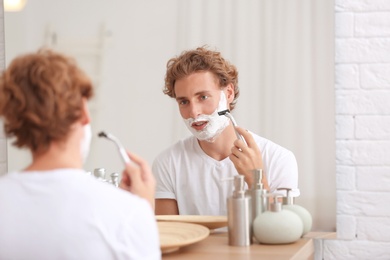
[(102, 134), (110, 137), (223, 112)]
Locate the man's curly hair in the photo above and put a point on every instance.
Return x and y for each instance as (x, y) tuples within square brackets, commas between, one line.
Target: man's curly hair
[(201, 59), (41, 97)]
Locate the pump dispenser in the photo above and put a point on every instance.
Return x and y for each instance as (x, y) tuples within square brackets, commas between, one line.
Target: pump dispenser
[(258, 194), (115, 179), (239, 214), (100, 174), (304, 214), (277, 225)]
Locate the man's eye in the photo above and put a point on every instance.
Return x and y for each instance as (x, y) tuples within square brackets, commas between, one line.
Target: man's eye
[(204, 97), (183, 102)]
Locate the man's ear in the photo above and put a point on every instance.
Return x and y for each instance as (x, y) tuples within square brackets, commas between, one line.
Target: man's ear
[(85, 116), (230, 93)]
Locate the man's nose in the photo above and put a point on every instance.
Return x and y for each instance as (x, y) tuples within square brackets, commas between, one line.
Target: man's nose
[(194, 110)]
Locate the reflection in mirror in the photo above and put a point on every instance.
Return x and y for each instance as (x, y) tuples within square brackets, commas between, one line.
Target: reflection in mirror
[(282, 49)]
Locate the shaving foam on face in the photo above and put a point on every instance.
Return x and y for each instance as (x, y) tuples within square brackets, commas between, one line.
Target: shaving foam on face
[(216, 123), (86, 142)]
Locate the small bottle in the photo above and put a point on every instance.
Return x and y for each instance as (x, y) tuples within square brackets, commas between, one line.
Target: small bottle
[(304, 214), (277, 225), (115, 179), (239, 214), (100, 174), (258, 194)]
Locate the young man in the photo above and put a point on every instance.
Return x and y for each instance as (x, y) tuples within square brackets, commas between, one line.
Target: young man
[(52, 209), (191, 175)]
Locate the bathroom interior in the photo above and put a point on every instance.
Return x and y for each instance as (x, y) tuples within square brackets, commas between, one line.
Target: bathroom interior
[(284, 52)]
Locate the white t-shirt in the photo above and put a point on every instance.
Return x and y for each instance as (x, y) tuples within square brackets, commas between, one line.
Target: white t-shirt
[(67, 214), (198, 182)]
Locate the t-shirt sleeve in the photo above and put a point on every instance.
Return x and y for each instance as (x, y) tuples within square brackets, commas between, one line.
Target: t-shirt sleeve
[(283, 173), (164, 174)]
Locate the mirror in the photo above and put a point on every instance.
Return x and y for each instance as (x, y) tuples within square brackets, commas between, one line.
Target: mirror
[(282, 49)]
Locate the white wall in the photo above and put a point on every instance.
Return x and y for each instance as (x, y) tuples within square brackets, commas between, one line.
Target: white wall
[(129, 102), (362, 129)]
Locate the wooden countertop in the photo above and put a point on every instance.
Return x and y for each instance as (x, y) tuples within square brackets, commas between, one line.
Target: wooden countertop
[(216, 246)]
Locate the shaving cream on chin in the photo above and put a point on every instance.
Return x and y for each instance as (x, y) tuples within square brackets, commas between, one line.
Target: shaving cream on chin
[(215, 123), (86, 142)]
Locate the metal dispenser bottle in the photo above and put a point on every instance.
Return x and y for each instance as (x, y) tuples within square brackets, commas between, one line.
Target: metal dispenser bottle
[(258, 194), (115, 179), (239, 214), (100, 174)]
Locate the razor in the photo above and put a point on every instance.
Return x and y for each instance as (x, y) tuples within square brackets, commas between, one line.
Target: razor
[(122, 150), (227, 113)]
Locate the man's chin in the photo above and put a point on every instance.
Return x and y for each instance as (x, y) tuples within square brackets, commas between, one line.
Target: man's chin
[(207, 138), (210, 140)]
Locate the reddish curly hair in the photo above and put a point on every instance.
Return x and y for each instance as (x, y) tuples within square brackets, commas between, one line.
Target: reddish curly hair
[(201, 59), (41, 97)]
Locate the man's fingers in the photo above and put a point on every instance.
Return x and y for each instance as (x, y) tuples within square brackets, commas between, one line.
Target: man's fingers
[(247, 136), (134, 173), (125, 181), (136, 159), (145, 169)]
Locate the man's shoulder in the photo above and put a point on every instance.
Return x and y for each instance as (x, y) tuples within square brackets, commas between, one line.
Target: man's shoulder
[(181, 146), (271, 146)]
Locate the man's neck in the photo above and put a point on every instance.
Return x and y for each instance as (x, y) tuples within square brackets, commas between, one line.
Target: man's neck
[(56, 157), (222, 145)]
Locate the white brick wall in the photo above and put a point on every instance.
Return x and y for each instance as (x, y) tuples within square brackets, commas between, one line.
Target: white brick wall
[(362, 83), (375, 76)]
